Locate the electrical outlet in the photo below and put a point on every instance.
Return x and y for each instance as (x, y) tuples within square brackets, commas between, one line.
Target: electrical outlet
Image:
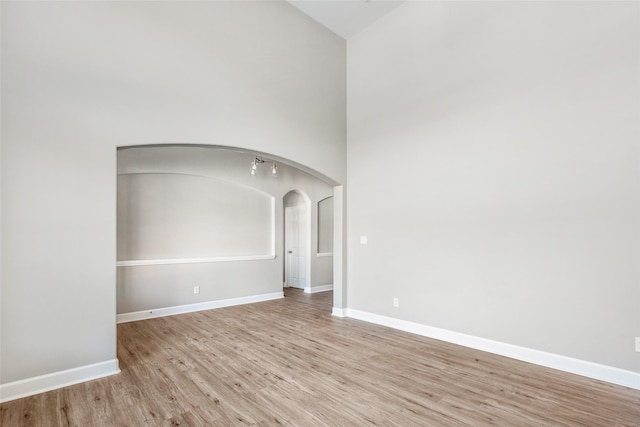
[(638, 344), (364, 240), (396, 303), (196, 289)]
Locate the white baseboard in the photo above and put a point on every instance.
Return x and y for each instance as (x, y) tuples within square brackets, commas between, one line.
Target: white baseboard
[(189, 308), (40, 384), (319, 288), (339, 312), (563, 363)]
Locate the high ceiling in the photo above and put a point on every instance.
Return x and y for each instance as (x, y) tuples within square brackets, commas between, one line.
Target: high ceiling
[(345, 17)]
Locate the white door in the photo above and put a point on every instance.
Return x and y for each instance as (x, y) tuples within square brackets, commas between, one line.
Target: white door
[(295, 246)]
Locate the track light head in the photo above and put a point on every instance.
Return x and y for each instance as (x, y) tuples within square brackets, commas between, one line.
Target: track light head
[(257, 161)]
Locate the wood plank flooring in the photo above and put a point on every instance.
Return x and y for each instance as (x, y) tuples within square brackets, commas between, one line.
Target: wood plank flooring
[(289, 362)]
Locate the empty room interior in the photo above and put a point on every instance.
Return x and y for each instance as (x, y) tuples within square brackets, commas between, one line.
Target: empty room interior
[(308, 213)]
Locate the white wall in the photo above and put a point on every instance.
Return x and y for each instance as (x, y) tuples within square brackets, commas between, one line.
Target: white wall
[(80, 79), (207, 175), (178, 215), (325, 225), (493, 162)]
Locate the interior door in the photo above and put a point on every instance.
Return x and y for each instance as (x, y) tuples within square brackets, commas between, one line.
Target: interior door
[(295, 245)]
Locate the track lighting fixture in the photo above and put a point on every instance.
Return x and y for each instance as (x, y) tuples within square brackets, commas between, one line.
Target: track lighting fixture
[(258, 161)]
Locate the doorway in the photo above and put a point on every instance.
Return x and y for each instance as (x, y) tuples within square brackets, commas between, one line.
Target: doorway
[(319, 268), (297, 236)]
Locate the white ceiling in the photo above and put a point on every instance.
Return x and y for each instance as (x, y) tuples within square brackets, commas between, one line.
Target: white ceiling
[(345, 17)]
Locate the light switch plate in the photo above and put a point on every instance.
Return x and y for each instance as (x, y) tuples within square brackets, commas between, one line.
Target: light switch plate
[(363, 240)]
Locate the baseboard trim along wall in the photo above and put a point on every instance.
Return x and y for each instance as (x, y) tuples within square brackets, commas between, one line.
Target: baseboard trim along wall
[(189, 308), (563, 363), (43, 383), (339, 312), (319, 288)]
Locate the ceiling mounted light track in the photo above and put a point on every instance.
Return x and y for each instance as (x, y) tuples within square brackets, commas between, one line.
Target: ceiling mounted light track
[(258, 161)]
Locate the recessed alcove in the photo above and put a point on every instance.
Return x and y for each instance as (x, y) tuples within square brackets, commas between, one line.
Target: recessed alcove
[(194, 219)]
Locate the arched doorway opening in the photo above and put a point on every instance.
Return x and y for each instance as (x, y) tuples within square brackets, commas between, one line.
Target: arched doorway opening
[(182, 165)]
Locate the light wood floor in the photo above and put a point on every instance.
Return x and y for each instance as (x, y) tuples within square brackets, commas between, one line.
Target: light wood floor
[(289, 362)]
